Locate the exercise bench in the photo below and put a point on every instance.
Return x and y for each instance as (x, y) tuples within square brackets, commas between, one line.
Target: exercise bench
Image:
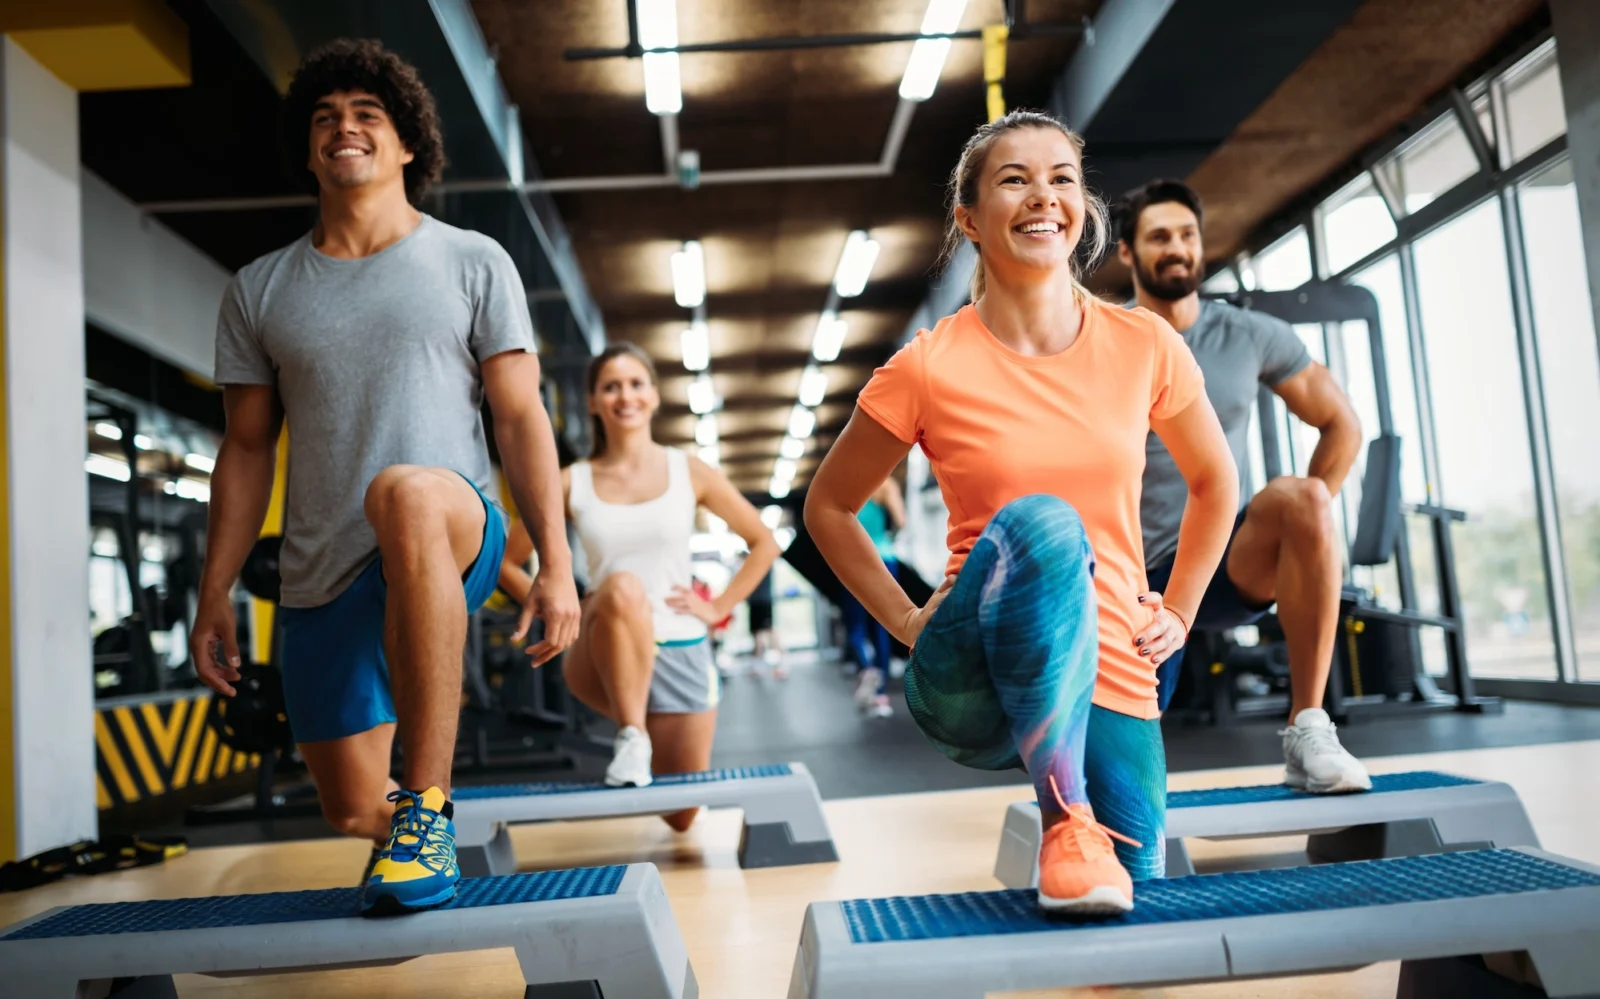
[(1403, 814), (783, 819), (1448, 917), (578, 934)]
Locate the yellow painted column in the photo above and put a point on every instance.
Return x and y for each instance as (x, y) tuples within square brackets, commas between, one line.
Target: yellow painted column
[(49, 51)]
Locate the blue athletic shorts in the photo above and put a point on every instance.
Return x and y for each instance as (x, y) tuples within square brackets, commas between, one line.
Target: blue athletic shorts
[(335, 677)]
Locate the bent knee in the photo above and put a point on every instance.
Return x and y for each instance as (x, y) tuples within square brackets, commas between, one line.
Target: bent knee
[(1045, 530), (622, 593), (402, 494), (1304, 507)]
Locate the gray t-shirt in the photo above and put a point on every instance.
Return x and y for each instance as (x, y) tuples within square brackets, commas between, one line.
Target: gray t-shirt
[(377, 363), (1238, 350)]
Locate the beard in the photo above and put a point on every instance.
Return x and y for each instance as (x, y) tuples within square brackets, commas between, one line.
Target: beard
[(1169, 289)]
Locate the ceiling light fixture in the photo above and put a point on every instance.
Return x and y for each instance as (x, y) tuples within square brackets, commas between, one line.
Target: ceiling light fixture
[(696, 343), (928, 54), (705, 430), (855, 263), (110, 431), (658, 29), (200, 462), (772, 516), (830, 337), (778, 488), (107, 468), (792, 448), (813, 385), (689, 275), (702, 395), (784, 469), (711, 454), (802, 422)]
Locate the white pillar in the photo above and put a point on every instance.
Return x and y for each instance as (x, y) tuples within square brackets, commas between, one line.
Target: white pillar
[(45, 616), (1577, 31)]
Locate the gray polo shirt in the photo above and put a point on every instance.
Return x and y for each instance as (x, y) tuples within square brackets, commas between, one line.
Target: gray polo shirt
[(377, 361), (1238, 350)]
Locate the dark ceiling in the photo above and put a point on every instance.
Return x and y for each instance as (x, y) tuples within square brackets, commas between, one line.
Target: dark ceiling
[(1256, 101)]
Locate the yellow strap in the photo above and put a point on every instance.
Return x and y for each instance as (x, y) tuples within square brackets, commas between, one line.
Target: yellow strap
[(994, 67)]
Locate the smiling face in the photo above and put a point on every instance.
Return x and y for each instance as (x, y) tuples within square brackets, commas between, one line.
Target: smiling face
[(354, 142), (1167, 258), (1028, 210), (623, 397)]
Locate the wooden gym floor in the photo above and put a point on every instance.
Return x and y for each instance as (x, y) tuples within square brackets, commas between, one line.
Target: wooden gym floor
[(742, 927)]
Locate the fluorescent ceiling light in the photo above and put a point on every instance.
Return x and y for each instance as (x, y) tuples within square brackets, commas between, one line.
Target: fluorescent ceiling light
[(190, 489), (779, 488), (142, 442), (813, 385), (792, 448), (772, 516), (110, 431), (784, 536), (658, 29), (107, 468), (855, 263), (702, 395), (663, 86), (923, 68), (705, 430), (696, 341), (711, 454), (830, 337), (689, 275), (943, 17), (784, 469), (802, 422), (200, 463)]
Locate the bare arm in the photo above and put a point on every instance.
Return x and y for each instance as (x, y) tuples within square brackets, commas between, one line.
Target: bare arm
[(888, 495), (241, 488), (528, 459), (855, 466), (714, 492), (1314, 397), (1198, 447)]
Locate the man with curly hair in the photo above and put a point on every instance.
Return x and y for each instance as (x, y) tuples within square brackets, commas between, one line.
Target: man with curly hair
[(376, 337)]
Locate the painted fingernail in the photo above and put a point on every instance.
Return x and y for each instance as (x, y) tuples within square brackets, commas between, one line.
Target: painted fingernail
[(1138, 641), (1141, 600)]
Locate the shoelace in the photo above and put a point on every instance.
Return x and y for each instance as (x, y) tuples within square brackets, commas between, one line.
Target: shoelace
[(1085, 823), (422, 826)]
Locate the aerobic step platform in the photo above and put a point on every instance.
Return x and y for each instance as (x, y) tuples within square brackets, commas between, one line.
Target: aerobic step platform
[(578, 934), (1403, 815), (1419, 910), (783, 820)]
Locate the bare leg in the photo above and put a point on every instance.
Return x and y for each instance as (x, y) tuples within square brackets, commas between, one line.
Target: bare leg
[(1288, 550), (352, 778), (610, 666), (682, 746), (429, 523)]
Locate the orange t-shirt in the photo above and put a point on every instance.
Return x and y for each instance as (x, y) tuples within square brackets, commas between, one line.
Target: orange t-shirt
[(997, 425)]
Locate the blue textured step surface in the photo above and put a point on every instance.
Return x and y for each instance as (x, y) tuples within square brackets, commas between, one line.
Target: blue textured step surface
[(572, 787), (1320, 888), (1421, 780), (303, 906)]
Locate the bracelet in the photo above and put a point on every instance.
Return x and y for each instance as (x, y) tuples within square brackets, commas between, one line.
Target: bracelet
[(1180, 619)]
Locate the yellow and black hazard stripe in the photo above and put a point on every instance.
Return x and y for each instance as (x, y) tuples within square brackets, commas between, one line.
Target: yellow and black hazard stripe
[(146, 747)]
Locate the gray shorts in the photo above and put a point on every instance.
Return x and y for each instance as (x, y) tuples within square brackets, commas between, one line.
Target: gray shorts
[(685, 680)]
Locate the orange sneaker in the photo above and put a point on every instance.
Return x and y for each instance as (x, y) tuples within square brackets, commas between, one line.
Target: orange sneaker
[(1079, 873)]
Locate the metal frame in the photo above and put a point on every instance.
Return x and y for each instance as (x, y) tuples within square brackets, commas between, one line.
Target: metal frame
[(1497, 180)]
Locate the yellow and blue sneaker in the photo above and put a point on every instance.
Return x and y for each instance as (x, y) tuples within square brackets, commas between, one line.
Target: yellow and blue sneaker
[(417, 869)]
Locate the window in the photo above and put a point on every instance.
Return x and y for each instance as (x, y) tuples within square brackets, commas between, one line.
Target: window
[(1354, 223), (1221, 283), (1482, 439), (1285, 264), (1383, 280), (1439, 158), (1569, 364), (1534, 112)]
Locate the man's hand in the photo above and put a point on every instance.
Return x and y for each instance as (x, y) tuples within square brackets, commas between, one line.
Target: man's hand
[(213, 644), (553, 599), (918, 619)]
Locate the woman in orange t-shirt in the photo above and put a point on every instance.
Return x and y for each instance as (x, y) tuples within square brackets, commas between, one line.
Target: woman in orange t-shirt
[(1033, 406)]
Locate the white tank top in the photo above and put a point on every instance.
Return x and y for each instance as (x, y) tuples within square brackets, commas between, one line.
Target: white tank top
[(649, 539)]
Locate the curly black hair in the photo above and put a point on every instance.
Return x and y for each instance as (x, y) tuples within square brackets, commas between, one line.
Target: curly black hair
[(364, 64)]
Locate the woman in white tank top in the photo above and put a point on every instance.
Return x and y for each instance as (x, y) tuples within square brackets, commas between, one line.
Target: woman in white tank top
[(643, 654)]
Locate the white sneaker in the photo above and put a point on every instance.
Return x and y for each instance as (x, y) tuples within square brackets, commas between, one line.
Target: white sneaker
[(867, 688), (1313, 759), (630, 759), (881, 707)]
